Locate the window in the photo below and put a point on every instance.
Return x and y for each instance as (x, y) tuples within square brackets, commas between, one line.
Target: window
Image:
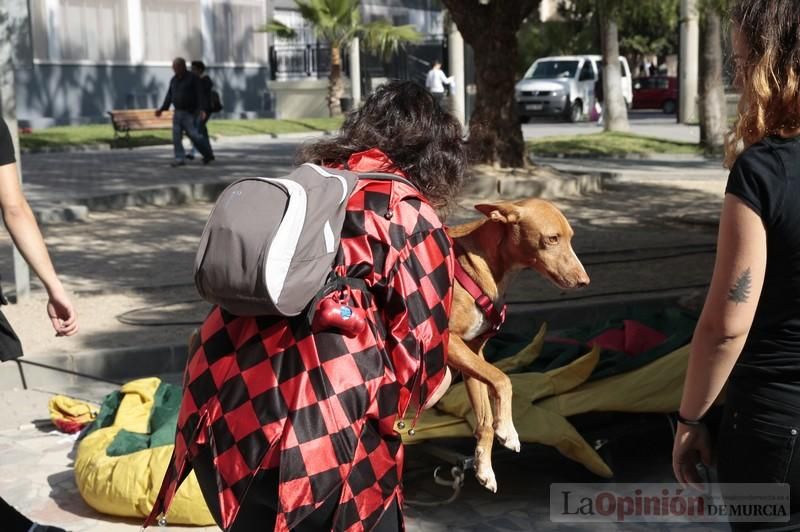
[(553, 70), (41, 42), (623, 72), (93, 29), (587, 72), (234, 31), (293, 19), (172, 29), (662, 83)]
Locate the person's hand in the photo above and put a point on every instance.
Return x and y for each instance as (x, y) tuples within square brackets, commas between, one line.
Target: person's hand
[(203, 116), (158, 112), (62, 314), (692, 446)]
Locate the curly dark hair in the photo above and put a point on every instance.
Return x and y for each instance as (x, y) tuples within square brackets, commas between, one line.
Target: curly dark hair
[(769, 74), (403, 120)]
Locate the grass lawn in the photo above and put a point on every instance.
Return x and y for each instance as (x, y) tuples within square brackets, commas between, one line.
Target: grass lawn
[(608, 145), (65, 136)]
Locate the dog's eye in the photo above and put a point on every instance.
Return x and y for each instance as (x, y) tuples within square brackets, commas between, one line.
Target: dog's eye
[(552, 240)]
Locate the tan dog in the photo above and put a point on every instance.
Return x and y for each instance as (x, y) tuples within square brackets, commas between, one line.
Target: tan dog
[(513, 237)]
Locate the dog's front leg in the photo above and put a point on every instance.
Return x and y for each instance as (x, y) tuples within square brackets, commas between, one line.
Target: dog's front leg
[(469, 360), (501, 391), (484, 432)]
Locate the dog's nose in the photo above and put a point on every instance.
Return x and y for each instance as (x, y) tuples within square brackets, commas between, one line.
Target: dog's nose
[(583, 281)]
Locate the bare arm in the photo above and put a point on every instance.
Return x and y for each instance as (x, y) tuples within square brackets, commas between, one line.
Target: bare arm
[(167, 101), (721, 332), (730, 306), (21, 224)]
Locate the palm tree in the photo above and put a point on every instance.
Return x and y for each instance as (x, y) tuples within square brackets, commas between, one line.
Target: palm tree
[(338, 22)]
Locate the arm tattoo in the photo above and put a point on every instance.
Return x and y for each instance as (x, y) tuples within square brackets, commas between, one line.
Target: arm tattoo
[(740, 292)]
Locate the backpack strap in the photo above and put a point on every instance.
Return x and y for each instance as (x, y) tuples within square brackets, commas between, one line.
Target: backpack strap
[(383, 176)]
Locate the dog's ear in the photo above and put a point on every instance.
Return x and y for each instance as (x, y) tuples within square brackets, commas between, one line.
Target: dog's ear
[(505, 212)]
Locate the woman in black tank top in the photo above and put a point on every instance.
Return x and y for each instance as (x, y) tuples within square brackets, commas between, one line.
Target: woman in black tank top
[(749, 332)]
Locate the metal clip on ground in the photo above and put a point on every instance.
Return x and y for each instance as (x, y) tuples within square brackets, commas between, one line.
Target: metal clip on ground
[(455, 483)]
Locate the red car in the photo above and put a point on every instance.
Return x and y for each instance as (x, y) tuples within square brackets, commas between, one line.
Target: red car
[(658, 92)]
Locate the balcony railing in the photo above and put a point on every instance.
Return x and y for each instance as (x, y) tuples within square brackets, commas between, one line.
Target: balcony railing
[(302, 62)]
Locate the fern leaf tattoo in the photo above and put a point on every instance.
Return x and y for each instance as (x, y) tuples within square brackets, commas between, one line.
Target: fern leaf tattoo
[(740, 292)]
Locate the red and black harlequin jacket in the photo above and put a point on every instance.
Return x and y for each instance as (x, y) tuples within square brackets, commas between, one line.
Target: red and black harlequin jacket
[(321, 407)]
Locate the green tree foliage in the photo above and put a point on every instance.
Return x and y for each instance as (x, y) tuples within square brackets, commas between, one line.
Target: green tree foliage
[(645, 27), (338, 22)]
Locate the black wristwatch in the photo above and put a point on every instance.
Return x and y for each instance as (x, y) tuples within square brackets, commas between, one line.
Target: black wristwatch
[(689, 422)]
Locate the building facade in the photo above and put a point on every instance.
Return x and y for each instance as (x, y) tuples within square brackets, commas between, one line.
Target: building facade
[(77, 59)]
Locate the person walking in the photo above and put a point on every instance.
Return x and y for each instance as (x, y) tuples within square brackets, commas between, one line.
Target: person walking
[(436, 81), (598, 97), (292, 428), (21, 224), (186, 95), (748, 334), (206, 88)]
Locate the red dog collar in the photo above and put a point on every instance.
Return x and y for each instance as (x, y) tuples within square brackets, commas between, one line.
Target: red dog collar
[(484, 302)]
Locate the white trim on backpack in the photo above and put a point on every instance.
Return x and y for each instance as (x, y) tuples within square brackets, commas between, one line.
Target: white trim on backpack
[(327, 233), (284, 244), (324, 172)]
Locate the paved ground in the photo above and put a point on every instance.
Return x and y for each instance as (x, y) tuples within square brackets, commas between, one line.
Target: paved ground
[(652, 230), (651, 123)]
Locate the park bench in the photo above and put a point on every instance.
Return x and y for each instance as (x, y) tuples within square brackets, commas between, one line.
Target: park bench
[(127, 120)]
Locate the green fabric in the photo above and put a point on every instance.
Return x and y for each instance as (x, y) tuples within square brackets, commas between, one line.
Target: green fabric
[(163, 421), (126, 442), (108, 410), (164, 416), (676, 324)]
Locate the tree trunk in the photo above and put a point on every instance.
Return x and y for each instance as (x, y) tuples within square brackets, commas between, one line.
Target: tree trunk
[(495, 134), (713, 116), (335, 83), (615, 113)]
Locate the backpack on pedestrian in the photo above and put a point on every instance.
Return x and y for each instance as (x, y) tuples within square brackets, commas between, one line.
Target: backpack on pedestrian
[(216, 102), (269, 245)]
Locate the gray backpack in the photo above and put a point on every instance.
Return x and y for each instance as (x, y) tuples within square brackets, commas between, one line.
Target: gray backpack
[(269, 244)]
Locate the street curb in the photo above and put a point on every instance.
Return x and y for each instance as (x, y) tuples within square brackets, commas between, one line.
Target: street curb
[(630, 157), (566, 314), (120, 365), (575, 184), (107, 147), (111, 365), (78, 209)]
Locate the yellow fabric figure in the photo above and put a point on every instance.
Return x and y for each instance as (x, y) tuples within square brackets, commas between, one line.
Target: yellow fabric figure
[(70, 415), (541, 401), (127, 485)]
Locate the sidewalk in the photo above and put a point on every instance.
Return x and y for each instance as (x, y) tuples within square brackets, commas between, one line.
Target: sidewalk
[(135, 263), (651, 232)]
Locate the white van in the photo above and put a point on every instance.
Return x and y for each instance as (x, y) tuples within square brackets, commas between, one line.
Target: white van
[(564, 86)]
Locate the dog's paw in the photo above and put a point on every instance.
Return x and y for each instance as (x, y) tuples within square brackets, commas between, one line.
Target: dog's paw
[(507, 435), (486, 478), (483, 470)]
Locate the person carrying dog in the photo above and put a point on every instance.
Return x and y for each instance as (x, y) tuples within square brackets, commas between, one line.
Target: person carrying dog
[(292, 428), (748, 334)]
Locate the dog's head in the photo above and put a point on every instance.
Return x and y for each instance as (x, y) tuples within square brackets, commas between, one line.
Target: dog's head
[(538, 236)]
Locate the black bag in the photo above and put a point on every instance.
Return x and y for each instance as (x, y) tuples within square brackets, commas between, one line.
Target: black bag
[(216, 102), (10, 346)]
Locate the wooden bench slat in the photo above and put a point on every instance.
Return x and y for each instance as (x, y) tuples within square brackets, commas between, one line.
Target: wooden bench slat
[(124, 120)]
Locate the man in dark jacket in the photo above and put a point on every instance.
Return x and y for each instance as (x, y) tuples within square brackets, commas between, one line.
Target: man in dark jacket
[(206, 86), (186, 95)]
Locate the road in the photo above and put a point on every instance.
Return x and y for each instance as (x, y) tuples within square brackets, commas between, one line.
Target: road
[(650, 123)]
